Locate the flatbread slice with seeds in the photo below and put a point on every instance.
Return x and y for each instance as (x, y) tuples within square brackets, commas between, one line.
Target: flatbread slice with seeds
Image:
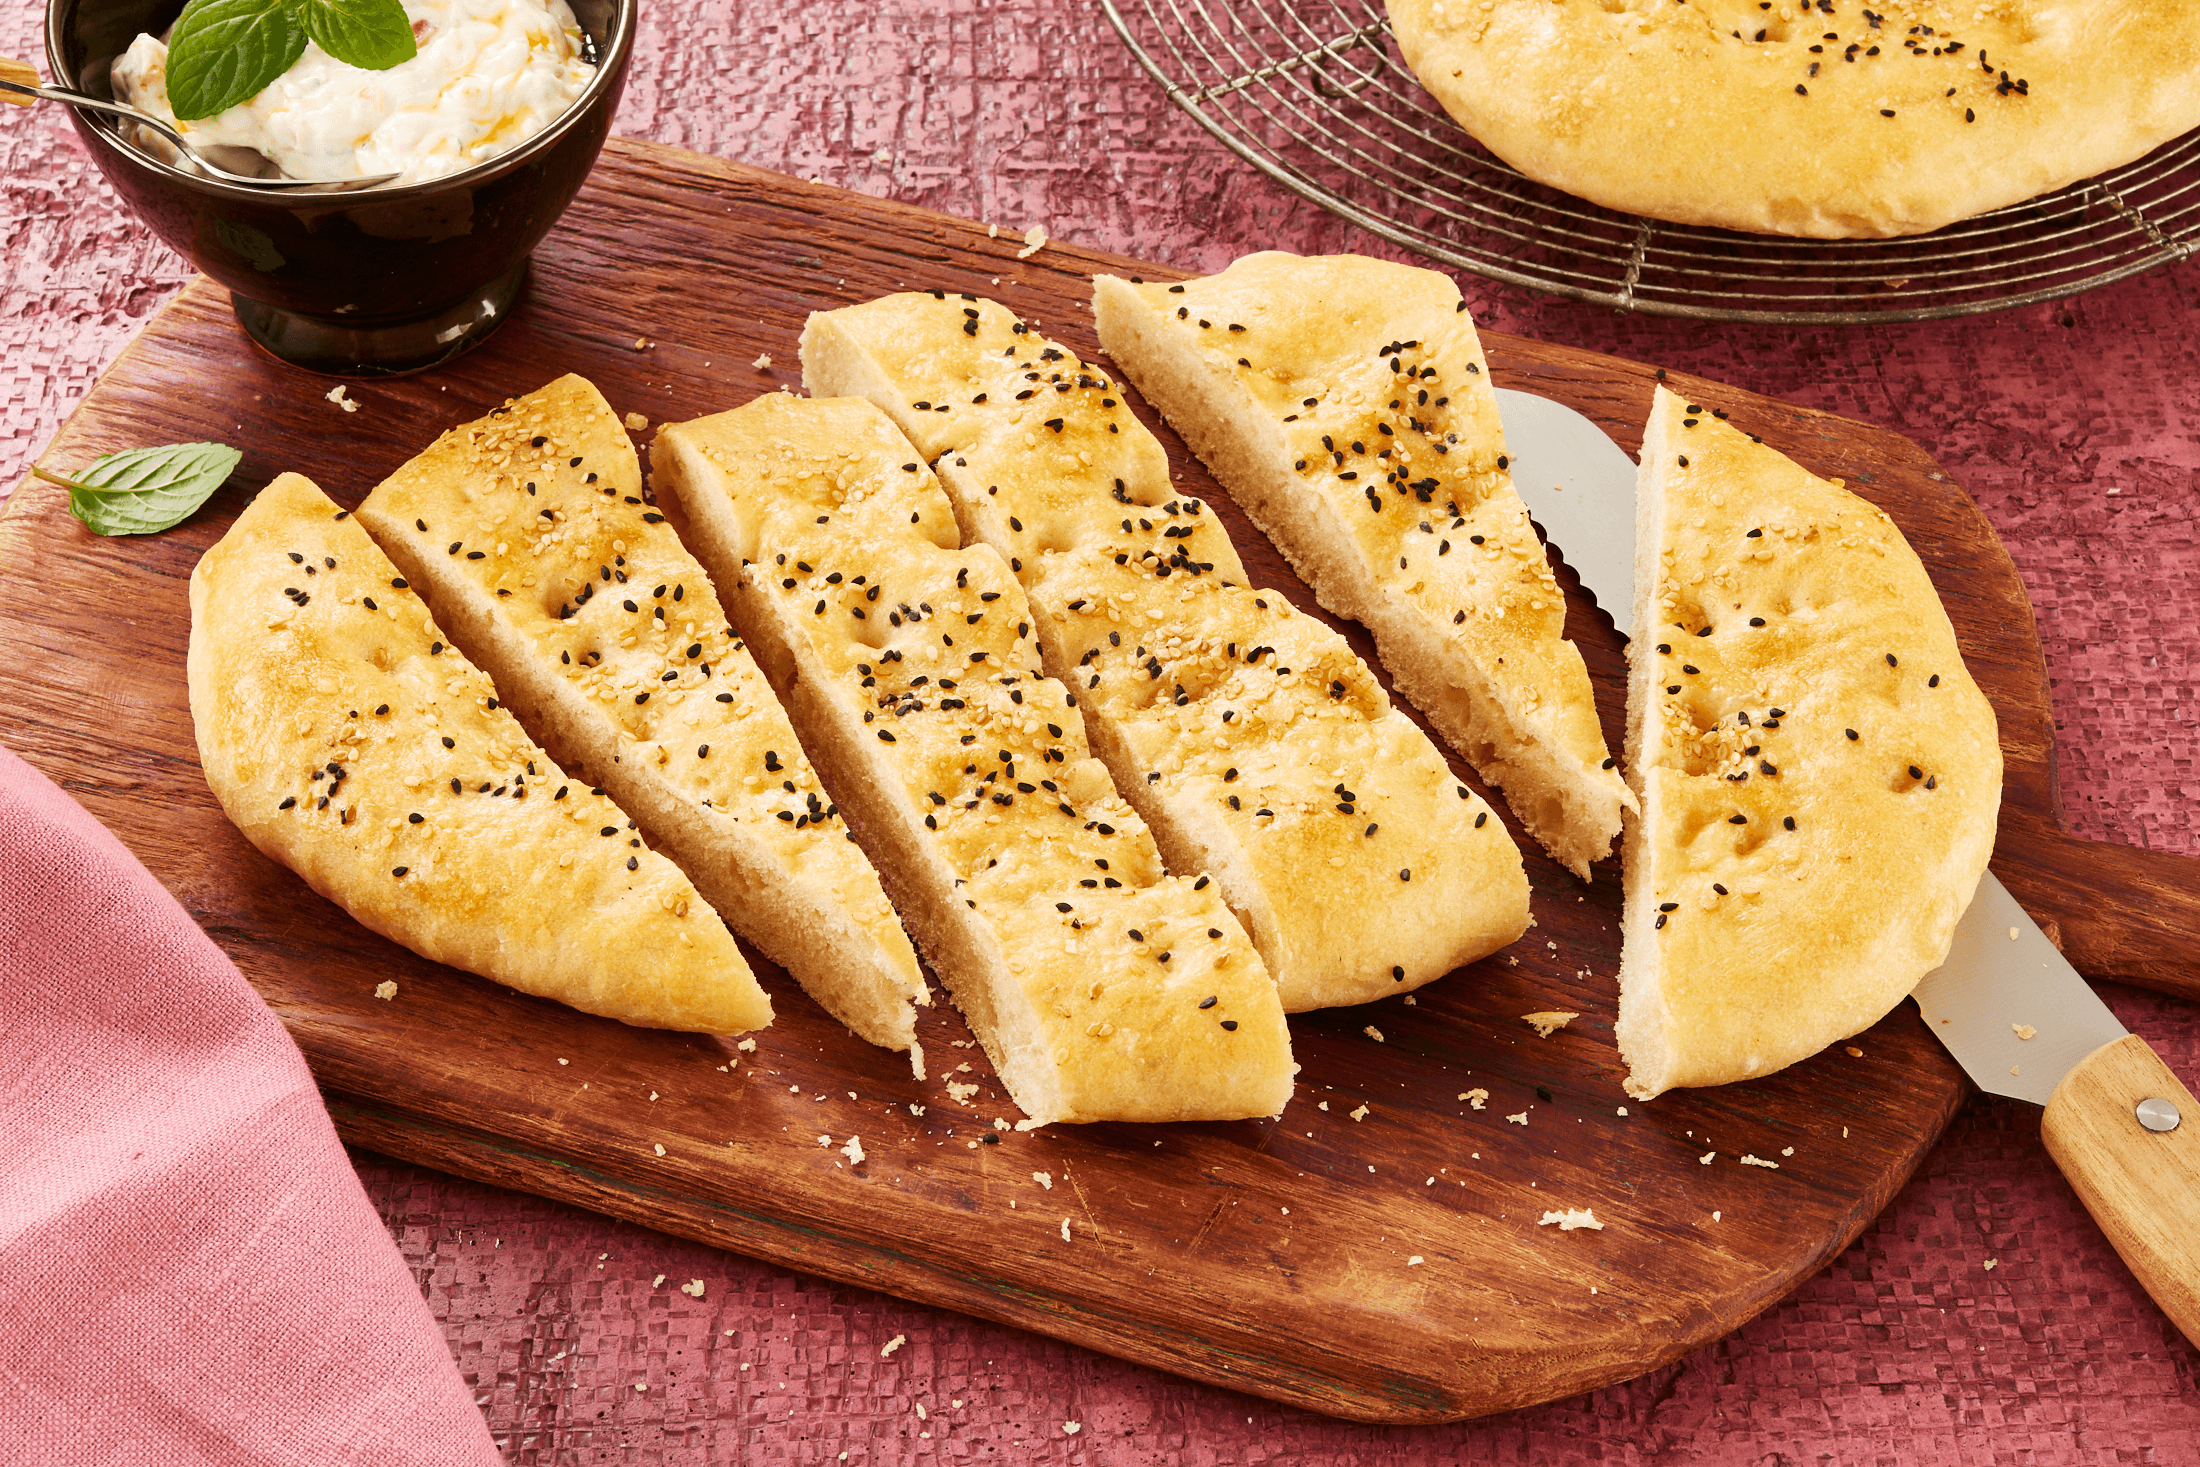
[(1102, 988), (528, 532), (1248, 735), (1819, 774), (1346, 405), (349, 741)]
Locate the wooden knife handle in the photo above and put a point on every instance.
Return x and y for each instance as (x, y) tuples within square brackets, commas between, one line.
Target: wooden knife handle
[(2142, 1186)]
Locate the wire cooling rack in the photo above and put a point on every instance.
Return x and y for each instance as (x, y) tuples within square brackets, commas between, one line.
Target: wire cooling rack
[(1314, 94)]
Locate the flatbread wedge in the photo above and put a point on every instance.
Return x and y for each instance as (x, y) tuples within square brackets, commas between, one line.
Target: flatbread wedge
[(1834, 120), (1249, 736), (348, 739), (528, 533), (1102, 988), (1819, 774), (1346, 405)]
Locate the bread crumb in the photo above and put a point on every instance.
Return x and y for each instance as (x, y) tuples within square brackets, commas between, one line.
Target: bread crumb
[(2023, 1031), (693, 1288), (1519, 1120), (916, 1110), (1787, 1151), (1714, 1217), (1035, 240), (641, 1385), (853, 1151), (636, 423), (1065, 1230), (763, 361), (660, 1148), (1623, 1110), (1073, 1427), (1324, 1105), (387, 990), (1415, 1261), (993, 231), (1476, 1099), (1549, 1022), (889, 1347), (1372, 1032), (1410, 1003), (336, 395), (2013, 934), (1044, 1179), (1990, 1264), (1360, 1114), (657, 1282), (959, 1092), (746, 1046), (921, 1414), (1570, 1219), (1770, 1166), (1705, 1159), (652, 1095), (565, 1062)]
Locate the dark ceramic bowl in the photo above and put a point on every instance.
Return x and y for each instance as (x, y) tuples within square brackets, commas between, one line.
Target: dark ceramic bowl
[(370, 283)]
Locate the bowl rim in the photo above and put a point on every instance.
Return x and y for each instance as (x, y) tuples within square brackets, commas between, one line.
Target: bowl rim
[(610, 68)]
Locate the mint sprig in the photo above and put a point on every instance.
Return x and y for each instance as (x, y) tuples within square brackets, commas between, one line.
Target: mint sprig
[(223, 52), (142, 491)]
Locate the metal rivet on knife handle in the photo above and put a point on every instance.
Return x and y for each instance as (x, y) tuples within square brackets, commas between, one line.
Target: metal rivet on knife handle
[(2157, 1114)]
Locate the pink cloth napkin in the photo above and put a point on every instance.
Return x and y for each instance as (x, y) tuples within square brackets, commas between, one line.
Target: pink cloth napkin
[(189, 1270)]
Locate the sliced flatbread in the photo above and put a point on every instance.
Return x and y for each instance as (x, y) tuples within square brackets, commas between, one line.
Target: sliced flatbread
[(1101, 988), (348, 740), (1831, 121), (1345, 404), (528, 534), (1250, 737), (1819, 774)]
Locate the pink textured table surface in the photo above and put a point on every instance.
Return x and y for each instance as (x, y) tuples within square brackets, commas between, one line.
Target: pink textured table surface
[(1981, 1319)]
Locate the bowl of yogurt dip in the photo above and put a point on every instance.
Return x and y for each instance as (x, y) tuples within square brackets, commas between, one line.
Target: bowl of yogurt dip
[(491, 129)]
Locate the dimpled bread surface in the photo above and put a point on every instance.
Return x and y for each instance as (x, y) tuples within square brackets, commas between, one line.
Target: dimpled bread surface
[(1819, 774), (1101, 987), (528, 532), (348, 740), (1249, 736), (1346, 405)]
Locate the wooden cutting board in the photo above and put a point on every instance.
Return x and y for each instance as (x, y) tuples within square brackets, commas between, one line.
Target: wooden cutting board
[(1373, 1254)]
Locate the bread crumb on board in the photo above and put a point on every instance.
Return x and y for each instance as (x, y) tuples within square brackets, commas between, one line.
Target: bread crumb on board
[(336, 395), (1570, 1219), (387, 990), (693, 1288), (1360, 1114), (2023, 1031), (1372, 1032), (1520, 1119), (1549, 1021), (637, 423), (1415, 1261), (1476, 1099), (892, 1345), (1770, 1166), (763, 361), (853, 1151), (1035, 240)]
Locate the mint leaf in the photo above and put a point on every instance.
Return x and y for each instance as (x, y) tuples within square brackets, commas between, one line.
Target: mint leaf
[(146, 490), (223, 52), (374, 35)]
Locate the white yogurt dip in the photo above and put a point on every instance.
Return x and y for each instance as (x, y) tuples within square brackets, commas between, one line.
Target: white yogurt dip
[(490, 74)]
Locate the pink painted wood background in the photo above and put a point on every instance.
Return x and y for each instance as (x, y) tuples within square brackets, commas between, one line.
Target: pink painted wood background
[(2075, 425)]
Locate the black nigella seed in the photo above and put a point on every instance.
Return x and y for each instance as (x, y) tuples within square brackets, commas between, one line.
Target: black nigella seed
[(1230, 1024), (633, 863)]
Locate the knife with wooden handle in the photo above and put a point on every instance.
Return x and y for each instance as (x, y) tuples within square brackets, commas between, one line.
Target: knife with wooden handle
[(2008, 1006)]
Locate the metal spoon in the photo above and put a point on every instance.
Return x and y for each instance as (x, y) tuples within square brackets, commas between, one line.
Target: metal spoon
[(20, 87)]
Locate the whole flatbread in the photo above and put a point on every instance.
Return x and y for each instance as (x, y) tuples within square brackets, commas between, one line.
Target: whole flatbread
[(1819, 774), (1831, 121), (348, 740)]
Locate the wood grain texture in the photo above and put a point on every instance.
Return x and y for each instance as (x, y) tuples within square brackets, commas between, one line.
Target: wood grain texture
[(2142, 1186), (1181, 1252)]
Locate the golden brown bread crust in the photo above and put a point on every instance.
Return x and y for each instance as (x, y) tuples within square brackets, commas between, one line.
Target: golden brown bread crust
[(348, 741), (1805, 736), (528, 533), (1250, 737), (1345, 402), (1101, 988), (1832, 124)]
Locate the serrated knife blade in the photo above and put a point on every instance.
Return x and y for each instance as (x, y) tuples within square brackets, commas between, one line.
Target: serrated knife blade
[(2015, 1014)]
